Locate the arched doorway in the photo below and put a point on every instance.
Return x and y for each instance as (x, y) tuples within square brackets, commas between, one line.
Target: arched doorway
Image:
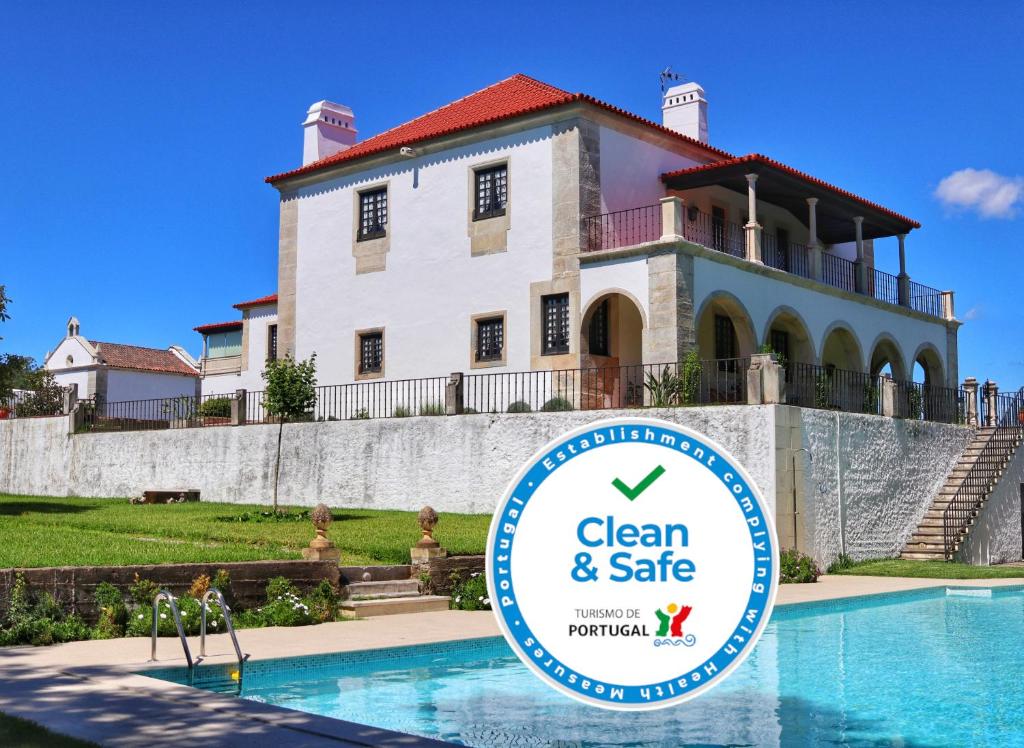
[(725, 341), (928, 368), (840, 350), (887, 359), (840, 381), (611, 352)]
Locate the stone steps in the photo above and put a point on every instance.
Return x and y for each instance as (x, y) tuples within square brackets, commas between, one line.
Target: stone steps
[(383, 589), (395, 605)]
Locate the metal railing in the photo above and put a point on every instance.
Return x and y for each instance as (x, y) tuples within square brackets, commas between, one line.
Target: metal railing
[(716, 382), (166, 595), (838, 272), (159, 413), (885, 286), (926, 299), (226, 612), (926, 402), (828, 388), (623, 228)]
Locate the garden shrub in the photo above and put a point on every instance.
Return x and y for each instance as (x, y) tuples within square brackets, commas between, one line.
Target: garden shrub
[(797, 568), (217, 407), (843, 561), (38, 619), (470, 593), (556, 405), (113, 612), (401, 411), (666, 389), (432, 409), (519, 407)]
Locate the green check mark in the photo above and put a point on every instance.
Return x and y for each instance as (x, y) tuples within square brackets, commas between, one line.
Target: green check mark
[(632, 493)]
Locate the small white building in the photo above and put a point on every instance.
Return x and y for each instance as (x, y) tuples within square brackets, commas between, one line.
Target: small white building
[(115, 372), (524, 227), (235, 353)]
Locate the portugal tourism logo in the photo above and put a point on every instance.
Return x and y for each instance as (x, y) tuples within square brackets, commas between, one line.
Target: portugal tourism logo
[(632, 564)]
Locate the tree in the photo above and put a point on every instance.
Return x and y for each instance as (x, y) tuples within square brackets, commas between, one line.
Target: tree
[(17, 373), (4, 301), (290, 394)]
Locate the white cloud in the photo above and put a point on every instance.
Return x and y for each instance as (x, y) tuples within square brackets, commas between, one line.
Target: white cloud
[(973, 313), (990, 194)]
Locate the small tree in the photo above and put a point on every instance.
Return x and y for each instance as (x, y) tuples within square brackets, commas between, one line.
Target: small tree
[(290, 394)]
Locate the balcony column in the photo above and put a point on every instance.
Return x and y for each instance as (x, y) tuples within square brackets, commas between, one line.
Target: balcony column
[(814, 246), (752, 229), (860, 267), (672, 209), (903, 280)]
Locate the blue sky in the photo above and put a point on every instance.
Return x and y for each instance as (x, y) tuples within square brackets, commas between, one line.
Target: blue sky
[(134, 138)]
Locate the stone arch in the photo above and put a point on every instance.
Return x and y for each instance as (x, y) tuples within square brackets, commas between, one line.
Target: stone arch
[(841, 348), (800, 342), (611, 350), (725, 304), (932, 371), (887, 350)]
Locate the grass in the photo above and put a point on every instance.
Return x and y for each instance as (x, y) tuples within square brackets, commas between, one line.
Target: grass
[(25, 734), (895, 567), (48, 531)]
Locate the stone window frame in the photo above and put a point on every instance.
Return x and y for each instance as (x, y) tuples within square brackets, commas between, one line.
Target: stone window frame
[(488, 234), (371, 253), (272, 342), (358, 357), (544, 324), (475, 363)]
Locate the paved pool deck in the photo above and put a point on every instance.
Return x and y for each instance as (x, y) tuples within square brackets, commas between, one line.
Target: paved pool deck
[(90, 689)]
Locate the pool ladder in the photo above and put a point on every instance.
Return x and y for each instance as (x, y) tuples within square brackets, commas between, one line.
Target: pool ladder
[(203, 606)]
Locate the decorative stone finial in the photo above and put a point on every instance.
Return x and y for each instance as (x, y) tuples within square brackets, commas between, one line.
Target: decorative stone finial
[(427, 519), (320, 548)]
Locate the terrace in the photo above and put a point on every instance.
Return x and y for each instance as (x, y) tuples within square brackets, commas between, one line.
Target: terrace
[(840, 229)]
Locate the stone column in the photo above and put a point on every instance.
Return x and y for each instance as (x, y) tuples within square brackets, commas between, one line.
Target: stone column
[(453, 395), (903, 280), (672, 218), (752, 229), (70, 399), (814, 246), (766, 381), (860, 267), (990, 391), (947, 305), (888, 395), (239, 407), (971, 394)]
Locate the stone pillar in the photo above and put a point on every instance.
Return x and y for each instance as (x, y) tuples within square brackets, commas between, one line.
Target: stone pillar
[(70, 399), (814, 246), (672, 210), (752, 229), (239, 407), (427, 548), (888, 396), (947, 305), (903, 280), (990, 391), (766, 381), (671, 331), (860, 267), (971, 395), (453, 395)]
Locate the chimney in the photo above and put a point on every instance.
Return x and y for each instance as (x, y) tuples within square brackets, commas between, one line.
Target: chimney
[(685, 110), (328, 129)]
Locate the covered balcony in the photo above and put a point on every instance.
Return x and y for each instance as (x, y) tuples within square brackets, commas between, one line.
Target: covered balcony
[(839, 229)]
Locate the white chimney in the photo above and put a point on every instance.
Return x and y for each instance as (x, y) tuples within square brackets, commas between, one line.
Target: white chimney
[(328, 129), (685, 110)]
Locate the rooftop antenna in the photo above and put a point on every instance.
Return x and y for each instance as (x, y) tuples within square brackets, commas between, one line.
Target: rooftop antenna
[(667, 75)]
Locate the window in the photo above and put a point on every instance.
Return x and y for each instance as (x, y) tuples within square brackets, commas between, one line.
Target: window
[(597, 335), (555, 321), (373, 214), (271, 342), (224, 344), (490, 338), (371, 352), (491, 192), (725, 338)]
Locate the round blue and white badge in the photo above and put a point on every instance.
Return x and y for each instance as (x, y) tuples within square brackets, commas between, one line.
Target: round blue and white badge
[(632, 564)]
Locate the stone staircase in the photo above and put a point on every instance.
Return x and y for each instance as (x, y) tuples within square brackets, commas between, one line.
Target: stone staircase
[(382, 593), (987, 455)]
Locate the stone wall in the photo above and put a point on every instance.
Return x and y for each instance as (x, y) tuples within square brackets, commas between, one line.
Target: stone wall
[(74, 587), (996, 538)]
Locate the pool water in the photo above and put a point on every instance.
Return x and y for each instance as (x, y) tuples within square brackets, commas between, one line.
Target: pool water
[(929, 668)]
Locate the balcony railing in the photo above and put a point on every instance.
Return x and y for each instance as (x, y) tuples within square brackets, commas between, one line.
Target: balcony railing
[(627, 228)]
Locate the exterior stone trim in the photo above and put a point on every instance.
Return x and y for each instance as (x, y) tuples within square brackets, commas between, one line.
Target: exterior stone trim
[(488, 236), (359, 377), (287, 260), (570, 360), (370, 254), (473, 320)]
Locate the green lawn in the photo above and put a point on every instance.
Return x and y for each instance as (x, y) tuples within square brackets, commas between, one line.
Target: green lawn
[(21, 733), (47, 531), (894, 567)]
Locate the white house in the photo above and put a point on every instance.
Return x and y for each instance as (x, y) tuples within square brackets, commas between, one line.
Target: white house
[(524, 227), (115, 372), (234, 353)]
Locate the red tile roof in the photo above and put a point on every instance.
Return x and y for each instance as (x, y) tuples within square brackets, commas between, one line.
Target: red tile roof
[(219, 327), (262, 301), (512, 97), (758, 158), (136, 357)]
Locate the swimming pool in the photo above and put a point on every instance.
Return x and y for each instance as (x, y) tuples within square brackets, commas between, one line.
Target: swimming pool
[(929, 668)]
